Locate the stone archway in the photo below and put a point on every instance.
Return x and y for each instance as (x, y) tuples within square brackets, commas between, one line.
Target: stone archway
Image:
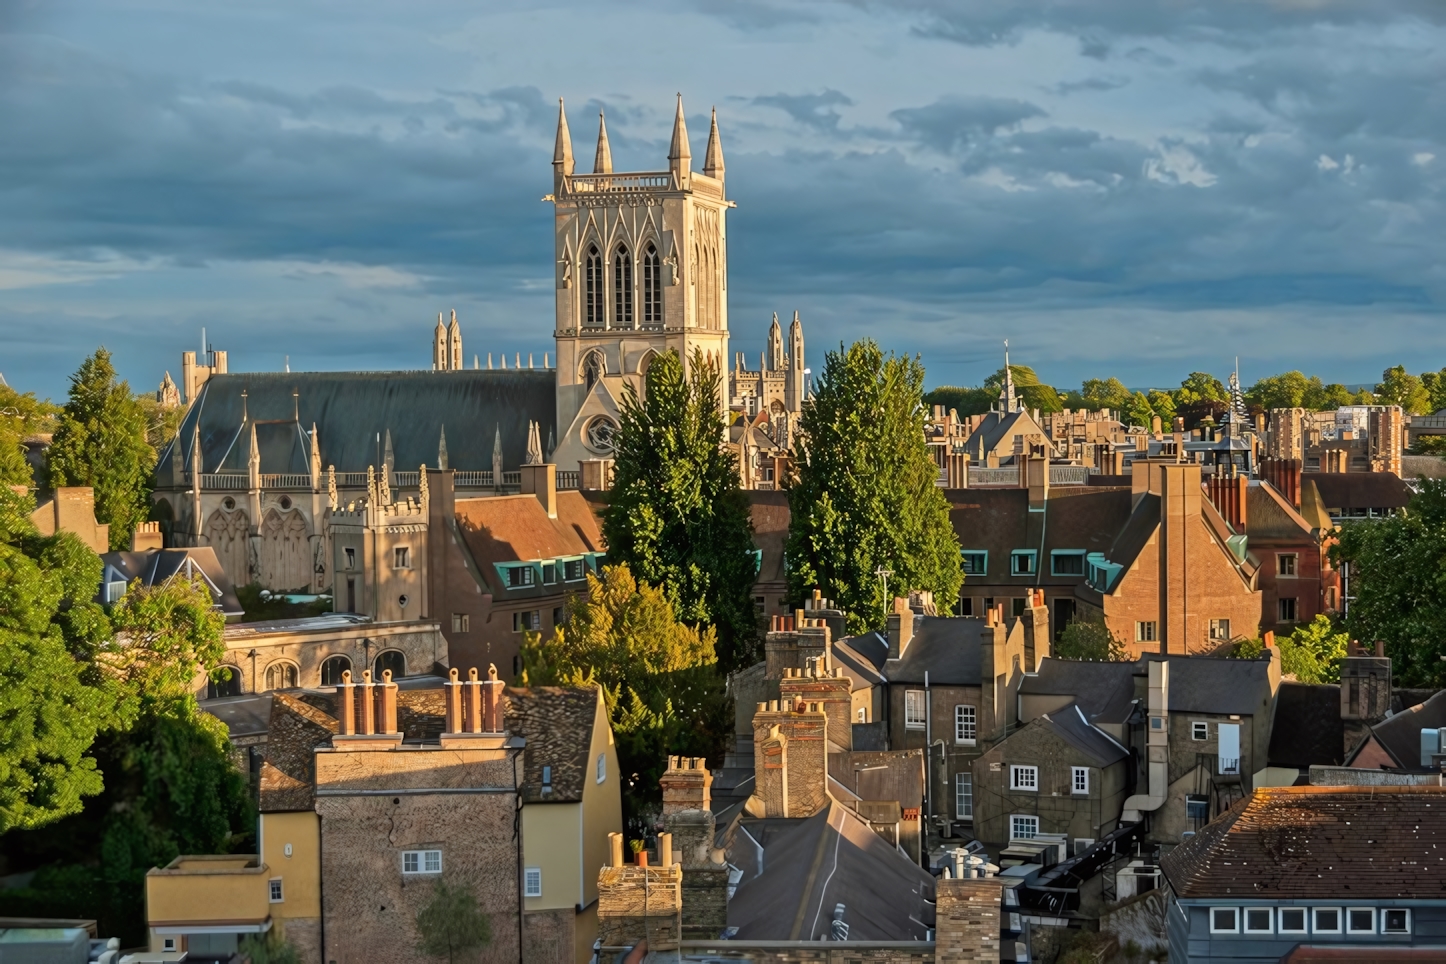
[(285, 561)]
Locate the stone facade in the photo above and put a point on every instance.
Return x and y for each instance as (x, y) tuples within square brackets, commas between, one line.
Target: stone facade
[(268, 656), (968, 921), (792, 772)]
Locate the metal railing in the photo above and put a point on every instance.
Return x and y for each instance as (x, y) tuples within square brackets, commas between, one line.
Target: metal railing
[(1006, 475), (352, 479), (404, 480), (1070, 474)]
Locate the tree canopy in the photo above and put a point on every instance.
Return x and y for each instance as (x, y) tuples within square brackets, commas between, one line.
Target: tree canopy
[(864, 497), (1311, 654), (20, 415), (1087, 637), (1398, 584), (676, 516), (1399, 388), (659, 676), (101, 442)]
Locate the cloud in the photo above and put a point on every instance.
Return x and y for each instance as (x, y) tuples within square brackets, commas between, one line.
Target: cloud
[(954, 122), (812, 110)]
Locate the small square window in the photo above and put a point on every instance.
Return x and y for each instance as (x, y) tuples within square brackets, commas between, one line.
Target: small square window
[(421, 861), (461, 622), (402, 557), (1224, 920), (1146, 632), (520, 576), (573, 570), (1286, 563), (1079, 779), (1258, 920), (274, 890), (1327, 920), (974, 563), (168, 944), (1395, 920), (1220, 630), (528, 620), (350, 557), (1021, 562), (1023, 778), (1292, 920), (1022, 827), (532, 882), (1067, 563), (1199, 730), (1361, 920)]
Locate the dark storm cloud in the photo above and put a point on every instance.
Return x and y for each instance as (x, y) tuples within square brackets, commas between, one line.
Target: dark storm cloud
[(954, 122), (817, 111)]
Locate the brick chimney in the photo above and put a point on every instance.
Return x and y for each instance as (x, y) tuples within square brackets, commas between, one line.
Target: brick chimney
[(834, 693), (367, 711), (1228, 493), (1037, 639), (639, 903), (474, 709), (147, 536), (686, 784), (690, 829), (1284, 476), (1180, 528), (1365, 691), (900, 628), (967, 920), (793, 640), (791, 759)]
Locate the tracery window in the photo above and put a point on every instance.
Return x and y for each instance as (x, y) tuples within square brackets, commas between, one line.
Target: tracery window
[(592, 369), (652, 287), (593, 289), (622, 288)]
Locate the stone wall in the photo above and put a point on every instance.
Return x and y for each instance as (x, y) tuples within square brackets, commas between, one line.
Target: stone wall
[(547, 936), (640, 903), (812, 952), (968, 920)]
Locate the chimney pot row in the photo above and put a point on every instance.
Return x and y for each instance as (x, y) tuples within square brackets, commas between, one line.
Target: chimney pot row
[(367, 708), (473, 705)]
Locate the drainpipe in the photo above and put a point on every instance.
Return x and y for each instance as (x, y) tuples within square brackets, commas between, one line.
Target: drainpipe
[(1157, 747), (928, 770)]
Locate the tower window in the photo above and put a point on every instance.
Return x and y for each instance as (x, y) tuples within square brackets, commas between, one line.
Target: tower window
[(652, 287), (592, 369), (593, 289), (622, 288)]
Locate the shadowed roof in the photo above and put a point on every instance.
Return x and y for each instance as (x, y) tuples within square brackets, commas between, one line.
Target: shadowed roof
[(1359, 490), (154, 566), (1307, 730), (1400, 734), (946, 647), (350, 409), (1103, 690), (516, 528)]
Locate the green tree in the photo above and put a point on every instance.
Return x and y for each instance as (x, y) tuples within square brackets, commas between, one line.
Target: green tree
[(676, 515), (963, 401), (451, 924), (101, 442), (50, 712), (1138, 411), (864, 496), (659, 676), (162, 424), (1027, 388), (20, 415), (1407, 391), (1163, 405), (1087, 637), (1098, 393), (1429, 445), (1313, 653), (1435, 385), (1200, 387), (1320, 397), (1398, 581), (1288, 390)]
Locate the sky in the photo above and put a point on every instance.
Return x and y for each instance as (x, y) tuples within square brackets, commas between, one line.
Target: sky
[(1120, 188)]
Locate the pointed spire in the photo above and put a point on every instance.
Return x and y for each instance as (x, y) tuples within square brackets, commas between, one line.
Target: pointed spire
[(315, 458), (562, 151), (713, 157), (1006, 394), (551, 443), (388, 459), (497, 456), (442, 450), (603, 162), (680, 158), (534, 445)]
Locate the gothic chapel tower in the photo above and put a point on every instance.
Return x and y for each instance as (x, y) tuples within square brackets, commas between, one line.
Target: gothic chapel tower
[(641, 268)]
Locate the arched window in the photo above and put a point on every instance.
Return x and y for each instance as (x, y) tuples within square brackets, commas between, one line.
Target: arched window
[(593, 289), (281, 676), (390, 660), (592, 369), (652, 288), (622, 288), (224, 681), (332, 669)]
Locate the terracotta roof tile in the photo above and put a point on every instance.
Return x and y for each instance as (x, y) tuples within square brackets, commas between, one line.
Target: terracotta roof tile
[(1319, 842), (512, 528)]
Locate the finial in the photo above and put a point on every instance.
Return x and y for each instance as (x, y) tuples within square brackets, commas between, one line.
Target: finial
[(603, 161), (713, 157), (680, 157), (562, 150)]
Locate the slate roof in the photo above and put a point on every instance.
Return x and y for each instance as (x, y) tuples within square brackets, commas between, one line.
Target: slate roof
[(154, 566), (1400, 734), (1136, 532), (770, 515), (1268, 516), (862, 658), (881, 774), (998, 521), (1104, 691), (1307, 730), (557, 723), (1070, 725), (946, 647), (1308, 843), (1359, 490), (1207, 684), (513, 528), (350, 408), (886, 896)]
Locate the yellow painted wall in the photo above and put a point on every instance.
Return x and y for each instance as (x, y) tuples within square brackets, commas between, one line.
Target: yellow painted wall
[(300, 872), (602, 805), (550, 835), (208, 889), (584, 932)]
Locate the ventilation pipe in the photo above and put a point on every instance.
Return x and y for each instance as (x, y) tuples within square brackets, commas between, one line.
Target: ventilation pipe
[(1157, 747)]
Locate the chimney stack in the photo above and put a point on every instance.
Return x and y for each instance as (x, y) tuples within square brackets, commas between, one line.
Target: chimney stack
[(367, 711), (900, 628)]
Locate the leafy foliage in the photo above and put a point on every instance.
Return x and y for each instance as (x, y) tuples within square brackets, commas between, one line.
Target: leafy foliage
[(162, 424), (1398, 580), (963, 401), (676, 516), (1435, 385), (20, 415), (659, 676), (1098, 393), (865, 496), (1311, 654), (1027, 387), (1399, 388), (1087, 637), (452, 925), (269, 948), (1429, 445), (101, 442)]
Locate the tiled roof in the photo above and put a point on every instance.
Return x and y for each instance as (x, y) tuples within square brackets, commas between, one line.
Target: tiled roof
[(289, 773), (1105, 691), (557, 723), (1307, 730), (513, 528), (1207, 684), (1309, 843), (1401, 733), (945, 647), (1070, 725), (1359, 490)]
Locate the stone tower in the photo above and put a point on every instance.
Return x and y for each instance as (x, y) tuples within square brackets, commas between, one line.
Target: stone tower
[(447, 345), (641, 267)]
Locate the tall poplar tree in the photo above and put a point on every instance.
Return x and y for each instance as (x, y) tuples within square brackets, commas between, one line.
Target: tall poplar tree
[(676, 515), (101, 442), (864, 497)]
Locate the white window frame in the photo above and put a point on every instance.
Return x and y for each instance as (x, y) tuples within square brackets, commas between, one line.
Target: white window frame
[(1304, 921), (1199, 730), (915, 710), (1245, 927), (1032, 555), (1351, 929), (1294, 558), (602, 768), (1405, 929), (1017, 821), (1079, 780), (1220, 630), (963, 796), (421, 862), (1315, 927), (275, 894), (168, 943), (1023, 777), (532, 882), (1234, 927), (1147, 630), (966, 724)]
